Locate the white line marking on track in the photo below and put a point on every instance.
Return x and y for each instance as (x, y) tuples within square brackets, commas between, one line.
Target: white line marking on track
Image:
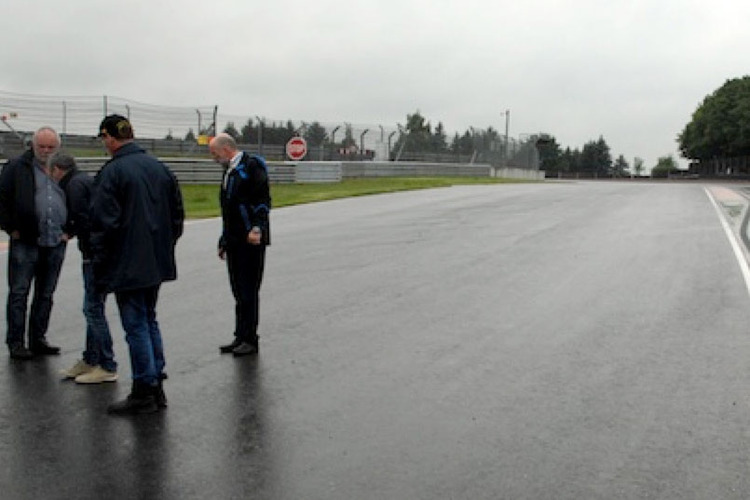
[(738, 253)]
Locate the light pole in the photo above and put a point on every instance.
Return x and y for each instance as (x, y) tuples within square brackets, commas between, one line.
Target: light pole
[(199, 122), (333, 138), (260, 135), (333, 134), (362, 142), (507, 126)]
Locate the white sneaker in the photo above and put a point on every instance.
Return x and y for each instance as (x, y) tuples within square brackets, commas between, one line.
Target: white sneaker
[(77, 369), (96, 376)]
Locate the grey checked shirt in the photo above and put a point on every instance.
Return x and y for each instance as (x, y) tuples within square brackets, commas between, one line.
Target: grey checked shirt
[(51, 211)]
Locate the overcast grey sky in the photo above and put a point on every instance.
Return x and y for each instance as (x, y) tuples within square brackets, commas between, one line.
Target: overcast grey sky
[(632, 71)]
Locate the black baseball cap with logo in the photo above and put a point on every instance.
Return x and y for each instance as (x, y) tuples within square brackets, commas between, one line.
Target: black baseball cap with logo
[(116, 126)]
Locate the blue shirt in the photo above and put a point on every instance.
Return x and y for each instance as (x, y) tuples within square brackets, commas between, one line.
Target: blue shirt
[(51, 212)]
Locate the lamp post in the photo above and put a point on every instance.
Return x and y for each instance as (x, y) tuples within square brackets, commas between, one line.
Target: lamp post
[(333, 138), (362, 142), (507, 126), (199, 122), (260, 135)]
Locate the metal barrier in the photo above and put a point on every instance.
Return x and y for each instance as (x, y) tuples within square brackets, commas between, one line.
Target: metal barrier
[(199, 171)]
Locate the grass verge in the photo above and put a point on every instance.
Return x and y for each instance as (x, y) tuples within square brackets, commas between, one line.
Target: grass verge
[(202, 200)]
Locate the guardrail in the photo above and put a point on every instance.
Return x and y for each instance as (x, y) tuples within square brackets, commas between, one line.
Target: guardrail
[(200, 171)]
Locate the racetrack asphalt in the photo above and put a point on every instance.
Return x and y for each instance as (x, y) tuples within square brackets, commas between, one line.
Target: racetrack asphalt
[(558, 340)]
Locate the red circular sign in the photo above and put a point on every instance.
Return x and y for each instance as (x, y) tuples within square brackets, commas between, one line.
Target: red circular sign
[(296, 148)]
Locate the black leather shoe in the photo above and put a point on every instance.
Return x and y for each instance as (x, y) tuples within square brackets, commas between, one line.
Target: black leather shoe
[(160, 397), (20, 352), (226, 349), (42, 348), (245, 349), (140, 400)]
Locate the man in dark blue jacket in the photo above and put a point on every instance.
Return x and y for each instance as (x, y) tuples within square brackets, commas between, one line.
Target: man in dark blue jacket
[(245, 204), (32, 212), (136, 218), (98, 362)]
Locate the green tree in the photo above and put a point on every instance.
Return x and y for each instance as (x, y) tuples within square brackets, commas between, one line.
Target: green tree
[(595, 158), (638, 166), (274, 133), (720, 127), (232, 130), (190, 136), (439, 141), (550, 156), (349, 139), (665, 166), (570, 160), (315, 134), (462, 144), (249, 132), (416, 135), (620, 167)]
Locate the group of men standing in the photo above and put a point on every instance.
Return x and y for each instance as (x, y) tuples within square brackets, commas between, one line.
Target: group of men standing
[(127, 221)]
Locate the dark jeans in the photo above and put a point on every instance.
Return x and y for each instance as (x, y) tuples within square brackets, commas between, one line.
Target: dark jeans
[(245, 264), (98, 337), (138, 316), (26, 264)]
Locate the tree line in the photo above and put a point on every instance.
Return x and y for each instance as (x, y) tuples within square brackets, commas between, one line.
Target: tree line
[(719, 128), (417, 134)]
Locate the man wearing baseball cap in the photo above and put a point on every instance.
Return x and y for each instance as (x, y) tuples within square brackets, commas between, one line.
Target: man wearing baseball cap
[(136, 218)]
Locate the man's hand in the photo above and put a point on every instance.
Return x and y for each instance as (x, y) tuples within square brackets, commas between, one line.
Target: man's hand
[(253, 237)]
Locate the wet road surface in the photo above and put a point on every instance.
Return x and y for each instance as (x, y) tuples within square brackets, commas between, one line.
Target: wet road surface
[(558, 340)]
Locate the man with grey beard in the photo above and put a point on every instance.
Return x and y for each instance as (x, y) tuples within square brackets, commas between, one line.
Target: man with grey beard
[(32, 212)]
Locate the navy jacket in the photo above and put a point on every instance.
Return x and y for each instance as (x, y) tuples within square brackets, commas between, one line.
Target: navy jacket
[(78, 187), (17, 209), (245, 202), (136, 218)]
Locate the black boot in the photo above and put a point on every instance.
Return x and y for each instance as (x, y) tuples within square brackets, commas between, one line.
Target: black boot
[(159, 396), (140, 400)]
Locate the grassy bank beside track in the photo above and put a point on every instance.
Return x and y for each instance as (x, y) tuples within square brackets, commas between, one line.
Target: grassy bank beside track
[(202, 200)]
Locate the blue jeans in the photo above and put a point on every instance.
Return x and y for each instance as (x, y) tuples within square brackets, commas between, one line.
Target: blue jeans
[(29, 263), (138, 315), (98, 337)]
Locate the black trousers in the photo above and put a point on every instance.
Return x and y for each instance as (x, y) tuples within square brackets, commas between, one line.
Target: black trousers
[(245, 264)]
